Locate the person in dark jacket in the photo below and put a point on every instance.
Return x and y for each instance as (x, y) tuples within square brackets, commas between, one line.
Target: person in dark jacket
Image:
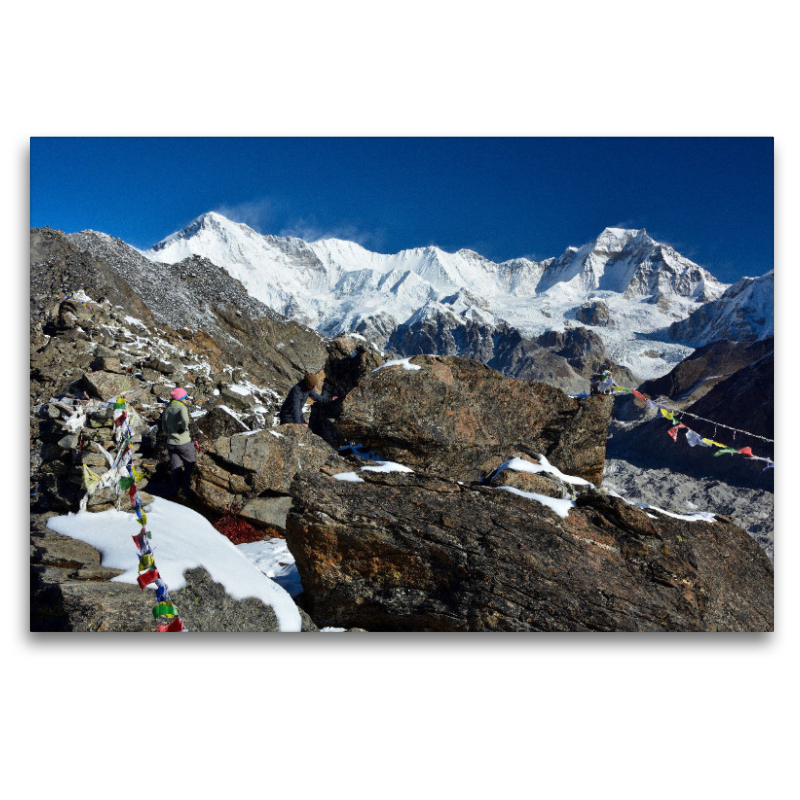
[(175, 424), (292, 408)]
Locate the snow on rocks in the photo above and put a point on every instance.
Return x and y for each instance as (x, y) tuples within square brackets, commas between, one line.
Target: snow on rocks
[(521, 465), (182, 539), (272, 558), (349, 477), (561, 507), (405, 363)]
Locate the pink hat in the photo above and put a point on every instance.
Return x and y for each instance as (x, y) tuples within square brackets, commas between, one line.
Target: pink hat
[(178, 394)]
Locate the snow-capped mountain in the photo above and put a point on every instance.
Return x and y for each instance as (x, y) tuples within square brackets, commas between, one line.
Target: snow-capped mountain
[(746, 311), (337, 286)]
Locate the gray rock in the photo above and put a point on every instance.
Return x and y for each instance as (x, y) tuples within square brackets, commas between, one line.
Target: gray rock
[(268, 512)]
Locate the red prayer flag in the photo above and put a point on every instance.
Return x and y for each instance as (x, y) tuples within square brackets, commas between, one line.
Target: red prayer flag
[(175, 626), (746, 451), (147, 577), (673, 432), (638, 394)]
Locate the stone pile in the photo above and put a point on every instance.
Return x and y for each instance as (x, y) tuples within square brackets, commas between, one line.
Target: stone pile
[(76, 440)]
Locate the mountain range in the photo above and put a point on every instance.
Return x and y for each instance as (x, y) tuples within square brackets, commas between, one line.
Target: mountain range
[(645, 289)]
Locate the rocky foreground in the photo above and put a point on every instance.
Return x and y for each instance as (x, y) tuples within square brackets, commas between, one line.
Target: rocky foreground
[(498, 521), (435, 494)]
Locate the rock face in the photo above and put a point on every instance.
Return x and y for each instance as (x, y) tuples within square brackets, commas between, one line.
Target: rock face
[(565, 360), (706, 367), (416, 553), (254, 471), (585, 352), (594, 313), (454, 418)]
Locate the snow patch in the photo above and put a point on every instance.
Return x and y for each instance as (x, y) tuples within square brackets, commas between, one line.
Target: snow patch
[(349, 477), (387, 466), (405, 363), (561, 507), (520, 465), (181, 540)]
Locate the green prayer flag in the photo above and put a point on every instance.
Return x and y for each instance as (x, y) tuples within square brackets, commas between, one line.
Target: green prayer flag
[(164, 608), (723, 452)]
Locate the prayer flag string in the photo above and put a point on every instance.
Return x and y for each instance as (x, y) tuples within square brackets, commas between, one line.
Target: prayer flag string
[(675, 417), (164, 612)]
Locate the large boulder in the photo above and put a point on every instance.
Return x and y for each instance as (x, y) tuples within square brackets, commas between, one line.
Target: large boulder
[(107, 385), (254, 471), (405, 552), (453, 418)]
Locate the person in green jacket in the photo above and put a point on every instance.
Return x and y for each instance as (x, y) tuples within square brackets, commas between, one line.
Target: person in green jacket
[(181, 448)]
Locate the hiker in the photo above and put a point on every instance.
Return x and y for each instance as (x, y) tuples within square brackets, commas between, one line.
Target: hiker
[(292, 408), (181, 448)]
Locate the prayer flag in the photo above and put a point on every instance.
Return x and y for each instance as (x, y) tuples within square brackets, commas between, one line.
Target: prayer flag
[(673, 432), (146, 562), (90, 479), (694, 438), (146, 578), (171, 626), (162, 609), (142, 544)]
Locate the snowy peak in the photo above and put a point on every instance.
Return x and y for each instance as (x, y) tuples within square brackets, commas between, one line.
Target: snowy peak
[(614, 240), (338, 286), (745, 312), (630, 262)]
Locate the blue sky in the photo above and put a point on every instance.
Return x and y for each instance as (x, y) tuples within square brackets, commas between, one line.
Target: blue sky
[(710, 198)]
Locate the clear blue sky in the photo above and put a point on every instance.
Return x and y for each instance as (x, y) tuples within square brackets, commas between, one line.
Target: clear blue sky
[(710, 198)]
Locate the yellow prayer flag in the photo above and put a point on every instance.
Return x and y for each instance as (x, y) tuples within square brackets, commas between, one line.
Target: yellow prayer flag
[(90, 479)]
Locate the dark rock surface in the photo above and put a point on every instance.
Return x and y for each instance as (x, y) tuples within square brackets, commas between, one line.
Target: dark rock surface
[(585, 352), (453, 416), (411, 552), (741, 398), (706, 367)]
